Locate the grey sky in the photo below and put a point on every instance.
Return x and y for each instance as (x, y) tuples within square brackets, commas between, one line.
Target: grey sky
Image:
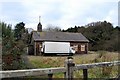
[(62, 13)]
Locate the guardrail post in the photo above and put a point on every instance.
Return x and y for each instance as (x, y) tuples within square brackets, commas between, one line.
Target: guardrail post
[(85, 74), (69, 66), (50, 76)]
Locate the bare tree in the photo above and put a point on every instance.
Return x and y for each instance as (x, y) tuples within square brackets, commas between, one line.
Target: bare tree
[(52, 28)]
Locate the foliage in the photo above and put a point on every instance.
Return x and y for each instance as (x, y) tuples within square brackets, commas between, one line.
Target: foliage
[(71, 29), (102, 35), (52, 28), (7, 37), (27, 37), (12, 50), (19, 30)]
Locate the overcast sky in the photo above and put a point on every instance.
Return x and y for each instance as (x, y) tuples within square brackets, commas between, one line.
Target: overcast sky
[(62, 13)]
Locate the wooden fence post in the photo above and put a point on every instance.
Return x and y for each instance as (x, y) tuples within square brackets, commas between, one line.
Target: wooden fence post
[(50, 76), (69, 66), (85, 74)]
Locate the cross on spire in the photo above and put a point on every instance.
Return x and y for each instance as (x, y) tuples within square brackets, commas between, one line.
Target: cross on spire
[(39, 19)]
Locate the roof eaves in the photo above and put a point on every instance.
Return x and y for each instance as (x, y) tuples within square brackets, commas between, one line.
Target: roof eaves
[(62, 40)]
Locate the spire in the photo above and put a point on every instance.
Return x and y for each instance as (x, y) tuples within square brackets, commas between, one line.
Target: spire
[(39, 26), (39, 19)]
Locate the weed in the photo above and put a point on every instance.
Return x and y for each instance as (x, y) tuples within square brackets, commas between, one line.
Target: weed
[(100, 56)]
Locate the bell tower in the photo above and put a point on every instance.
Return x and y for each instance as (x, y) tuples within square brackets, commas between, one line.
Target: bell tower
[(39, 26)]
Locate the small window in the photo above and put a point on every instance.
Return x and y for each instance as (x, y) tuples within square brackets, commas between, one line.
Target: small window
[(82, 47), (75, 47)]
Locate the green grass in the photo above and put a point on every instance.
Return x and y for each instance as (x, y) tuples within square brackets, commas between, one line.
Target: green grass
[(92, 57)]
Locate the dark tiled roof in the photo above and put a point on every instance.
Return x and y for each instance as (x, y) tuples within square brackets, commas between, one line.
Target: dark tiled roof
[(58, 36)]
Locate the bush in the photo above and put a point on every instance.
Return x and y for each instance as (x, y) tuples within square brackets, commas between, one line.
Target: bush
[(12, 50)]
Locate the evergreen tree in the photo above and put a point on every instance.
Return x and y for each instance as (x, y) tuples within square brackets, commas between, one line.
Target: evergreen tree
[(19, 30), (12, 51)]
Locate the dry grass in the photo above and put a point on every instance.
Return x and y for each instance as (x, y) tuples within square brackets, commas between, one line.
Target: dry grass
[(58, 61), (43, 62)]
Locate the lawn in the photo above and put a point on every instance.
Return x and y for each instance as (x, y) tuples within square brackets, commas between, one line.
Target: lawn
[(91, 57)]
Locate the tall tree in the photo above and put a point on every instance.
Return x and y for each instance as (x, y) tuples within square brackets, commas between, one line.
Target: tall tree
[(19, 30), (12, 51), (102, 35)]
